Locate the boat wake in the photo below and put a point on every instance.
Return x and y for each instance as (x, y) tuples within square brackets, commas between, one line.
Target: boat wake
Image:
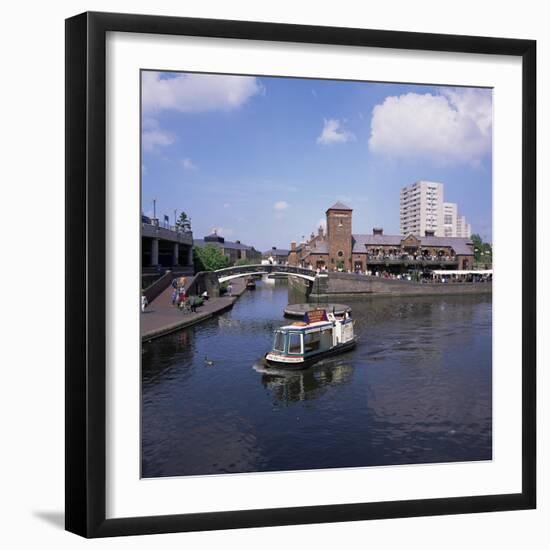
[(262, 368)]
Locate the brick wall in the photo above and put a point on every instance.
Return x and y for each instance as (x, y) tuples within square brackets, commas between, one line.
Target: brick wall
[(339, 238)]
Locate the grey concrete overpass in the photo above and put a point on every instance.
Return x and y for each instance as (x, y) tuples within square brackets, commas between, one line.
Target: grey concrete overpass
[(165, 246)]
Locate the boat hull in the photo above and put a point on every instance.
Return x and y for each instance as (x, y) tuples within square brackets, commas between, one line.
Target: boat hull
[(309, 361)]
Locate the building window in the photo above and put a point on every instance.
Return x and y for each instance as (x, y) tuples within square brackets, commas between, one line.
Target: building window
[(340, 253)]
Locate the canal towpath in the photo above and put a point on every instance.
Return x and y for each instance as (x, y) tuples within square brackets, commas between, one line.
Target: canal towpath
[(161, 317)]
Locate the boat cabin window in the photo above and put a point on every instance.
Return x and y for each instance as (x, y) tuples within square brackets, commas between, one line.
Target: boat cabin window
[(326, 338), (294, 342), (279, 341), (312, 342)]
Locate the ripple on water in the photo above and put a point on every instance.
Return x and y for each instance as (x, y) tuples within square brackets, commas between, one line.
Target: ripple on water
[(416, 389)]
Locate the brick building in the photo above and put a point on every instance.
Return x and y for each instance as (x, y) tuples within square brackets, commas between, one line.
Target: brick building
[(342, 249)]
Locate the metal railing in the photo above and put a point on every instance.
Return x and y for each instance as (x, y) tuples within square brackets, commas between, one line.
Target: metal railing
[(265, 268), (170, 233)]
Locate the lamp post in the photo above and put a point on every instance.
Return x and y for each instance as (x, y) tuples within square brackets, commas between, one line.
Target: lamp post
[(317, 277)]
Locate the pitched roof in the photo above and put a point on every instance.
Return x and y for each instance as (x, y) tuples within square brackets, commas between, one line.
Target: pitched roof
[(460, 245), (361, 241), (226, 244), (339, 206), (277, 252), (319, 248)]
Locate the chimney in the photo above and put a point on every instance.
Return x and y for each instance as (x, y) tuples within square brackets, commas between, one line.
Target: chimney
[(321, 231), (377, 230), (429, 233), (293, 245), (312, 236), (238, 242)]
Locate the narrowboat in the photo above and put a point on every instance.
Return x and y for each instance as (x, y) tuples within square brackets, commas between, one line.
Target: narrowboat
[(303, 343)]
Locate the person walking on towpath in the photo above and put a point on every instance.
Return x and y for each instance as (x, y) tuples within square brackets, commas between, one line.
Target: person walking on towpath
[(174, 296)]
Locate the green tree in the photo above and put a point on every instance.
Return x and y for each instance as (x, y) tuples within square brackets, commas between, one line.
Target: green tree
[(183, 221), (477, 241), (483, 252), (244, 261), (209, 258)]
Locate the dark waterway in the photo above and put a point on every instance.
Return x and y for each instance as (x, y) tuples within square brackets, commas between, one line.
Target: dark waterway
[(417, 389)]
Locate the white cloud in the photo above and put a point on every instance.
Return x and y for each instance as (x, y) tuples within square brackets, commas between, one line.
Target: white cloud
[(188, 164), (189, 93), (281, 205), (334, 133), (454, 127), (152, 137), (226, 205)]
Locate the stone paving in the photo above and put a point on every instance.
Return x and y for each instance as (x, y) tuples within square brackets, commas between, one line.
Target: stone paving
[(161, 317)]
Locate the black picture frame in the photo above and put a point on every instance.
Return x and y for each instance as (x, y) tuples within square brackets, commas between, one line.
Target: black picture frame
[(86, 279)]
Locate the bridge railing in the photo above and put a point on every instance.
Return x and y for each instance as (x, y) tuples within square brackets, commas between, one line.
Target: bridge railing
[(266, 268)]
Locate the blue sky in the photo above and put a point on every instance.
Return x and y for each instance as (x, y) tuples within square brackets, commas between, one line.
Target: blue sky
[(262, 158)]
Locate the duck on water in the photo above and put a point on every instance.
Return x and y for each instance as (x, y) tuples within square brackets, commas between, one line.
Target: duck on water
[(303, 343)]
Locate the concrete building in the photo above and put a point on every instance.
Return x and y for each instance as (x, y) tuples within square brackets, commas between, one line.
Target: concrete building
[(421, 209), (463, 228), (343, 250), (165, 247), (232, 250), (450, 215)]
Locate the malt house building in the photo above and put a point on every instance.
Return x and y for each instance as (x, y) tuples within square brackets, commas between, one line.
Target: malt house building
[(342, 249)]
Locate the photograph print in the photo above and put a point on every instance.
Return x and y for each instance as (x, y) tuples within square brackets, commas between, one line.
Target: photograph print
[(316, 274)]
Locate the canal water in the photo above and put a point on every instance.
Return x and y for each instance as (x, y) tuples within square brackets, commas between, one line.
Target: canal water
[(417, 389)]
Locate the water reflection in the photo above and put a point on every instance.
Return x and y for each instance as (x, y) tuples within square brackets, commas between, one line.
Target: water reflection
[(416, 389), (164, 355), (311, 383)]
